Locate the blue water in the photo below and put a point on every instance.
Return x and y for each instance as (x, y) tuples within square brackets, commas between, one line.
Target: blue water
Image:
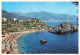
[(56, 43)]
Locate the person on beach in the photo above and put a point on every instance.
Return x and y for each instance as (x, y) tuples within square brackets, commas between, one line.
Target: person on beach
[(5, 46), (11, 49), (28, 52)]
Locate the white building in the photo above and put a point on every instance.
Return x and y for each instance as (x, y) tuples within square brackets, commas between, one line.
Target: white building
[(13, 19), (4, 19), (20, 20)]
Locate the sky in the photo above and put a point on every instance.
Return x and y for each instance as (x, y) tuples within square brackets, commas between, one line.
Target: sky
[(53, 7)]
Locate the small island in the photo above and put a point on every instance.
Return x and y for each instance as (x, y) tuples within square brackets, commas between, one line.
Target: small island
[(63, 28)]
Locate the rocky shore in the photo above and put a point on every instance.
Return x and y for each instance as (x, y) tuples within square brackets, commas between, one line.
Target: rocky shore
[(10, 44), (63, 28)]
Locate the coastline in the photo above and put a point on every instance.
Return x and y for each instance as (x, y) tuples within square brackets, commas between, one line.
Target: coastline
[(14, 42)]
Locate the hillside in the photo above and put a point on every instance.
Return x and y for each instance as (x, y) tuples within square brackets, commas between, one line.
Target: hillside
[(30, 24), (10, 15)]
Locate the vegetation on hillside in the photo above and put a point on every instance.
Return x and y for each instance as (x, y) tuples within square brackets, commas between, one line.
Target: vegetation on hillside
[(34, 23), (13, 26)]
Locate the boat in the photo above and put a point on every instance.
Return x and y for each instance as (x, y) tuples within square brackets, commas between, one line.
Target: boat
[(43, 41), (22, 46)]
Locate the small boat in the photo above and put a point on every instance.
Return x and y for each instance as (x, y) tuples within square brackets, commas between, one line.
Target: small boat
[(22, 46), (43, 41)]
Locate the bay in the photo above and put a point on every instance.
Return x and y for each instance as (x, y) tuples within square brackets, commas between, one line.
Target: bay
[(56, 43)]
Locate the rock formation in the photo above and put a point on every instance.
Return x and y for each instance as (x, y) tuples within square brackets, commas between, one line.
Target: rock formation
[(63, 28)]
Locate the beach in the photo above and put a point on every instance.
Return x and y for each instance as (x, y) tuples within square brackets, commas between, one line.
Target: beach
[(10, 44)]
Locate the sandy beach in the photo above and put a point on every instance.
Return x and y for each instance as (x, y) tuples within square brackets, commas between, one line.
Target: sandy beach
[(10, 44)]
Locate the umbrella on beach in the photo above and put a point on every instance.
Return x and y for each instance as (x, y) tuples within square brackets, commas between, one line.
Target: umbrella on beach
[(9, 38), (12, 38)]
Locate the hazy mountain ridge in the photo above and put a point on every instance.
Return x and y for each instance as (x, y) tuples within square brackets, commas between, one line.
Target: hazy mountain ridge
[(48, 16), (17, 13), (43, 16)]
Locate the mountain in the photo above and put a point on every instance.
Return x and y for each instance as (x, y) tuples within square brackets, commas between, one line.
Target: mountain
[(17, 13), (11, 15), (48, 16)]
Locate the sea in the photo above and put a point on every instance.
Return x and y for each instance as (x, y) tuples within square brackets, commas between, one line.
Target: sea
[(56, 43)]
